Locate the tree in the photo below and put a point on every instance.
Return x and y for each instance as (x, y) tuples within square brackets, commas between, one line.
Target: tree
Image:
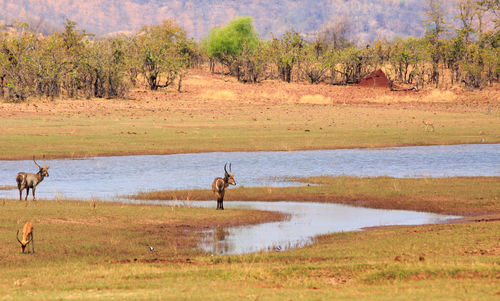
[(288, 51), (103, 68), (336, 34), (160, 53), (18, 67), (435, 26), (491, 6), (227, 44), (314, 63), (408, 57)]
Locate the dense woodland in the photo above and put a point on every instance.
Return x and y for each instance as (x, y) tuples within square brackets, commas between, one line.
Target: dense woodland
[(73, 63)]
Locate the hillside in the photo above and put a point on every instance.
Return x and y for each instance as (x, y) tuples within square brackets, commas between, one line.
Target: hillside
[(368, 19)]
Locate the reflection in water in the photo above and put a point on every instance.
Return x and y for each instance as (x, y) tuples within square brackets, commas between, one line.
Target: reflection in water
[(306, 221), (214, 241), (109, 177)]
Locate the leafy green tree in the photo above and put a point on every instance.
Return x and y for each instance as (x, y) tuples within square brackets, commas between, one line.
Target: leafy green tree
[(227, 44)]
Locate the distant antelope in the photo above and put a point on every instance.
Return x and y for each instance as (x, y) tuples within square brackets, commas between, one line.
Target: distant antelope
[(28, 180), (219, 186), (27, 237), (428, 124)]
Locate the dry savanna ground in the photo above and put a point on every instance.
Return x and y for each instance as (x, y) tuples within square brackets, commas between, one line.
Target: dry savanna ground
[(99, 250), (216, 113)]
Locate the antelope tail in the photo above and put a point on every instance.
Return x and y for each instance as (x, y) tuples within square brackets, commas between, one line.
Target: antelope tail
[(21, 177)]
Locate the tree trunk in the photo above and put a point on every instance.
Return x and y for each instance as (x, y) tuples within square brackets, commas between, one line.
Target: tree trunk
[(179, 85), (288, 74), (1, 86)]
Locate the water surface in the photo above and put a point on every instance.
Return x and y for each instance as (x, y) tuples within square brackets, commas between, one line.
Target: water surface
[(306, 220), (109, 177)]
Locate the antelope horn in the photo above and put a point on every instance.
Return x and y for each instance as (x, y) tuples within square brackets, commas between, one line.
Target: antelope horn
[(230, 169), (46, 167), (225, 168), (17, 236), (36, 163)]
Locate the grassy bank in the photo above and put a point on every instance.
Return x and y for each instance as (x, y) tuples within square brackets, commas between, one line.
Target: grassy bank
[(84, 251), (459, 196), (331, 127)]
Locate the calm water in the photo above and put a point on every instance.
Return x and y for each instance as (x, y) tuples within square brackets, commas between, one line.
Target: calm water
[(108, 177), (306, 221)]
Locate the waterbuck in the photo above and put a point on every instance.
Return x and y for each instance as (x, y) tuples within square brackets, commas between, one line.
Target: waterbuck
[(29, 180), (27, 237), (219, 186)]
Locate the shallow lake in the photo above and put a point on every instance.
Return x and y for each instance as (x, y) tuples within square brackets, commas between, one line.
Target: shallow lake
[(306, 221), (110, 178)]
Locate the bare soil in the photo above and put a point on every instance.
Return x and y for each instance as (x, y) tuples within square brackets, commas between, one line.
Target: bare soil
[(213, 94)]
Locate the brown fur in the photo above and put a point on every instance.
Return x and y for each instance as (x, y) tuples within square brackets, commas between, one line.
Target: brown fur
[(219, 186), (28, 180), (27, 236)]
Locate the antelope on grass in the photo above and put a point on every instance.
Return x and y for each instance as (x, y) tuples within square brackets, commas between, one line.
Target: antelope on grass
[(28, 180), (428, 125), (219, 186), (27, 237)]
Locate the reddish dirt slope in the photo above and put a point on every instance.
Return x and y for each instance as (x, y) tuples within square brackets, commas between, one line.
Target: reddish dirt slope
[(375, 79)]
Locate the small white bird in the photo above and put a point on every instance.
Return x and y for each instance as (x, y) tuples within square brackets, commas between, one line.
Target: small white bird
[(152, 249)]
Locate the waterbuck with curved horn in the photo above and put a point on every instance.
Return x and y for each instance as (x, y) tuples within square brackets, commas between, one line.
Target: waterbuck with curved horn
[(28, 180), (219, 186), (27, 237)]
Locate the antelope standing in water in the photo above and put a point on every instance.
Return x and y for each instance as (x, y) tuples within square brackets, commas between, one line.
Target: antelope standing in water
[(27, 237), (28, 180), (219, 186)]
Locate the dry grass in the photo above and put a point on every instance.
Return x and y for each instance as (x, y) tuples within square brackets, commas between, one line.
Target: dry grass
[(224, 95), (316, 99)]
